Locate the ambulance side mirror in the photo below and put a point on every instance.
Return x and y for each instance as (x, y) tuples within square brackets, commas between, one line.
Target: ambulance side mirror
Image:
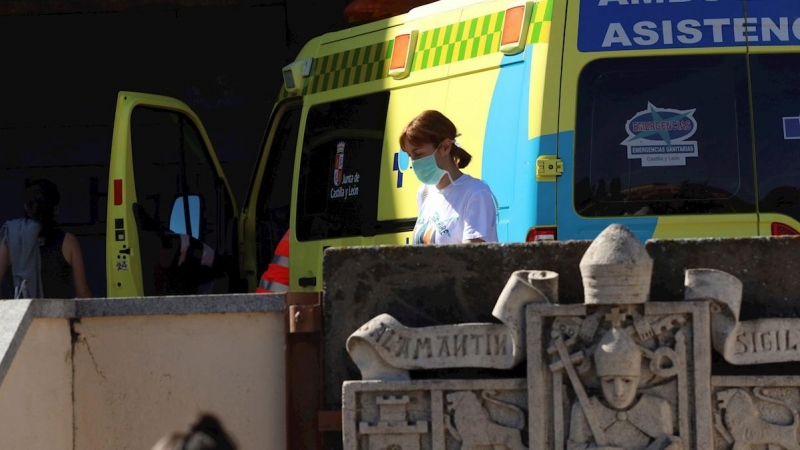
[(177, 220)]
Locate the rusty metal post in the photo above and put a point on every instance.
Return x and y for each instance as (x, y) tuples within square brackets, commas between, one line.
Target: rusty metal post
[(304, 380)]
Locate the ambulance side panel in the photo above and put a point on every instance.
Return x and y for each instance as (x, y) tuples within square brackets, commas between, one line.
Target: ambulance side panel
[(341, 150), (522, 126), (454, 69), (773, 37), (654, 122)]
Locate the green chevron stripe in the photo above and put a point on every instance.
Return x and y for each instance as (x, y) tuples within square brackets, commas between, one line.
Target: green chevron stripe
[(449, 43), (462, 51), (449, 56), (473, 25), (448, 31)]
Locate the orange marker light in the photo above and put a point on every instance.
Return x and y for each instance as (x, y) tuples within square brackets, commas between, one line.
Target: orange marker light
[(400, 51), (515, 28), (402, 54), (512, 25)]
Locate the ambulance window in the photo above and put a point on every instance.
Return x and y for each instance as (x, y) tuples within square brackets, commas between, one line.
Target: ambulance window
[(340, 166), (776, 120), (275, 193), (663, 136), (170, 159), (203, 183)]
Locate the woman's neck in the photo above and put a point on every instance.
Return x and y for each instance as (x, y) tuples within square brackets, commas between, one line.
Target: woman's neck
[(445, 181)]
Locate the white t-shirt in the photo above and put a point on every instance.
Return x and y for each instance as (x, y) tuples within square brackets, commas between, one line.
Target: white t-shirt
[(462, 210)]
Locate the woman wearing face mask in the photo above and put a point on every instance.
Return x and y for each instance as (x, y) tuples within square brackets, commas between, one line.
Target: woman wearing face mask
[(453, 207)]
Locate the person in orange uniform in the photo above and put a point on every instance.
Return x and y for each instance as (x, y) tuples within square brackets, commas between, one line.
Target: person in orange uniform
[(276, 278)]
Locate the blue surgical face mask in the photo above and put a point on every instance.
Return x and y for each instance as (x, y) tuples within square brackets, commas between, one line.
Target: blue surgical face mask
[(427, 171)]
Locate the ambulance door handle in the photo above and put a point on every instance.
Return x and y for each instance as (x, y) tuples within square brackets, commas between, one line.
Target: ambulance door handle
[(307, 281), (126, 251)]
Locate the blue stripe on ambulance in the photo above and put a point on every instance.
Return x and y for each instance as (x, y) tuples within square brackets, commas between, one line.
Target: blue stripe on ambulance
[(573, 226), (509, 158)]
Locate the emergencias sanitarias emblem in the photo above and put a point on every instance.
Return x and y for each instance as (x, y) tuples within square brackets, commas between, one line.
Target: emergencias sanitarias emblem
[(658, 136)]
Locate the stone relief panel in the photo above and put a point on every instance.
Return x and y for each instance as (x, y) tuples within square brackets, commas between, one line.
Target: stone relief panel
[(758, 413), (436, 415), (616, 376), (616, 372)]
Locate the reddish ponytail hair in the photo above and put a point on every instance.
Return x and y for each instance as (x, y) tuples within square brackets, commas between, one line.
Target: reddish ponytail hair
[(432, 127)]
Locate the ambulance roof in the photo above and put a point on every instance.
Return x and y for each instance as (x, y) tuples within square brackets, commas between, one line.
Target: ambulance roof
[(431, 9), (440, 7)]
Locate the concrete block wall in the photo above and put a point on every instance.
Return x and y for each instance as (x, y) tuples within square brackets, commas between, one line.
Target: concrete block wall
[(122, 373)]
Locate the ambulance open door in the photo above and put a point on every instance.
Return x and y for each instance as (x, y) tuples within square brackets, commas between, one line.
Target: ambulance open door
[(172, 219), (267, 208)]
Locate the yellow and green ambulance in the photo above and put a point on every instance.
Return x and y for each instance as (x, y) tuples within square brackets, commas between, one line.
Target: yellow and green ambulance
[(677, 118)]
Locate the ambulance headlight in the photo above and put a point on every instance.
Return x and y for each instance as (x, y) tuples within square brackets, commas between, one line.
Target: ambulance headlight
[(288, 80), (295, 73)]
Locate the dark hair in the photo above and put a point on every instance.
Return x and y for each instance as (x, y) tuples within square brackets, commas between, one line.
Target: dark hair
[(432, 127), (206, 433), (41, 198)]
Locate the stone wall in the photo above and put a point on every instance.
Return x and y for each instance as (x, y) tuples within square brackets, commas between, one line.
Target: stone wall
[(624, 345), (423, 286), (122, 373)]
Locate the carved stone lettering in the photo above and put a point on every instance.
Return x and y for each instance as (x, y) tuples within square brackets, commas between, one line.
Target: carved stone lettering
[(476, 340), (402, 347), (386, 339), (444, 348), (764, 341), (423, 347), (383, 348), (501, 344), (378, 333), (460, 345)]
